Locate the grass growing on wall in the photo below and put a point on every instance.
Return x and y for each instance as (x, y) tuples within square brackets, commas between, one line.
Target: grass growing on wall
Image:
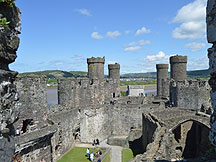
[(78, 154), (127, 155)]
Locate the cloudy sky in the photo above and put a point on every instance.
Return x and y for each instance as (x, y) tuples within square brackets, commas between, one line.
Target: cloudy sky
[(135, 33)]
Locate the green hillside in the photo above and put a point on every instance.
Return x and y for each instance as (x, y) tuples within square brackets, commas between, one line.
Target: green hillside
[(56, 74)]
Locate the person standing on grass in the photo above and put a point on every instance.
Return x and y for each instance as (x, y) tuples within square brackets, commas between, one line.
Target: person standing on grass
[(92, 156), (87, 152)]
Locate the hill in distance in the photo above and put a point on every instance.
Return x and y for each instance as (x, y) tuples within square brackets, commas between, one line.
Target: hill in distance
[(56, 74)]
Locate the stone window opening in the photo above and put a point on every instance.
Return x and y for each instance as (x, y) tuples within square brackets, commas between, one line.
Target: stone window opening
[(25, 125), (113, 95)]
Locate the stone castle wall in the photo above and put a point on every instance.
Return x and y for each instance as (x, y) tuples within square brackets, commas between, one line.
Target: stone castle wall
[(191, 94), (211, 37), (33, 103), (74, 93), (9, 43)]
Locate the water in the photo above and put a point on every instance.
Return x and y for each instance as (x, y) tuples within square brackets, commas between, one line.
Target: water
[(52, 95)]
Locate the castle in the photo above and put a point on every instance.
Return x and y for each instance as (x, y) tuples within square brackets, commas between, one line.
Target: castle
[(172, 125)]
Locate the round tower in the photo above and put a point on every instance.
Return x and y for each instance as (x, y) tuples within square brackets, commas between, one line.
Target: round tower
[(114, 71), (114, 74), (178, 67), (162, 75), (96, 68)]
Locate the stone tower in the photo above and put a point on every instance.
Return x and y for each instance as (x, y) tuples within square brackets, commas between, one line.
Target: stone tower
[(162, 80), (114, 71), (178, 67), (96, 68), (114, 74)]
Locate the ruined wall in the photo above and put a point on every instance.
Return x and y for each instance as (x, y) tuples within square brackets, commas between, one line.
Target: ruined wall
[(9, 42), (36, 146), (148, 129), (112, 120), (68, 130), (32, 103), (174, 134), (76, 92), (192, 94), (211, 37)]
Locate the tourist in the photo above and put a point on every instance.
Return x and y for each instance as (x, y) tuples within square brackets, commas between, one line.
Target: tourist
[(94, 142), (98, 154), (92, 156), (97, 141), (17, 132), (87, 152)]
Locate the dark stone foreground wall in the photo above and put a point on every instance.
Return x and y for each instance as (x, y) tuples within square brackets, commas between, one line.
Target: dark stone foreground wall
[(9, 42)]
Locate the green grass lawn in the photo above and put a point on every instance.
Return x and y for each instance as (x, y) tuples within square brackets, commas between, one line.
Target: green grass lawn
[(127, 155), (78, 154), (107, 158)]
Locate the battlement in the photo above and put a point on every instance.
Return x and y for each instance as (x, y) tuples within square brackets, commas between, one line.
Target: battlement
[(178, 59), (191, 83), (162, 66), (114, 66), (96, 60), (190, 94)]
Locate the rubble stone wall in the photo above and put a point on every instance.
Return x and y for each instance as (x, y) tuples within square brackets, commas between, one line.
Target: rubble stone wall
[(211, 37), (191, 94), (9, 43)]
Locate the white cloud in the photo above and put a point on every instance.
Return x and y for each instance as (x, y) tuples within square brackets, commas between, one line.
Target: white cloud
[(199, 63), (83, 11), (134, 48), (195, 46), (111, 62), (96, 35), (192, 19), (143, 30), (140, 43), (161, 56), (113, 34)]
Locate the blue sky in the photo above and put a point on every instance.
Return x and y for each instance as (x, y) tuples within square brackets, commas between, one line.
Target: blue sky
[(138, 34)]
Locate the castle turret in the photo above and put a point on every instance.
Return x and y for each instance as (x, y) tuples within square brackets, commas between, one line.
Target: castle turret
[(162, 80), (178, 67), (114, 74), (96, 68), (114, 71)]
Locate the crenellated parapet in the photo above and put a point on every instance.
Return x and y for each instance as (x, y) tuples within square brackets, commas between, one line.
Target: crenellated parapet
[(96, 68), (190, 94), (80, 92)]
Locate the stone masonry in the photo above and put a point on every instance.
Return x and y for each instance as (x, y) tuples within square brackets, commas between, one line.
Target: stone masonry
[(9, 42), (178, 65), (162, 76), (211, 37)]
